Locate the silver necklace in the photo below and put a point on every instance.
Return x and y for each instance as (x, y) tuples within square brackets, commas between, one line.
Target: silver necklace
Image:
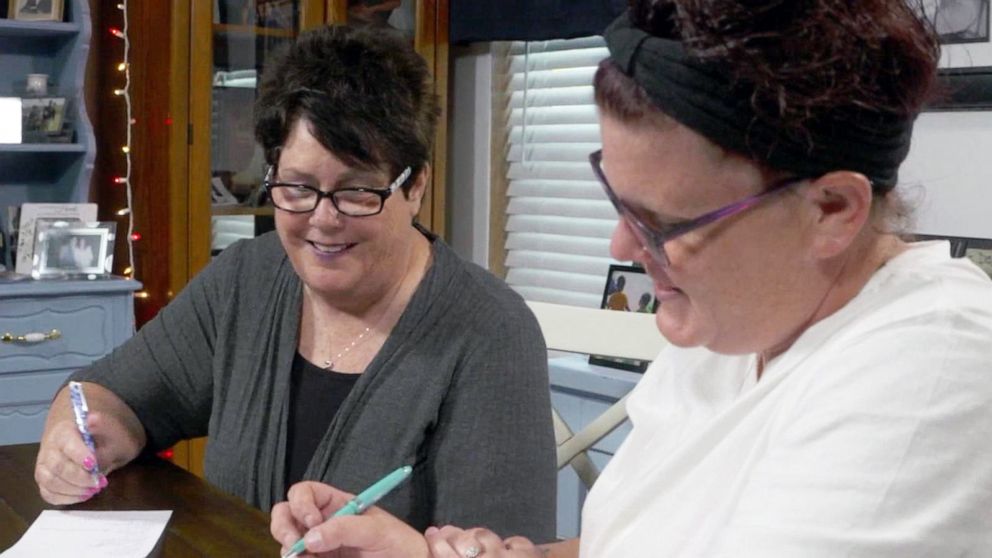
[(329, 363)]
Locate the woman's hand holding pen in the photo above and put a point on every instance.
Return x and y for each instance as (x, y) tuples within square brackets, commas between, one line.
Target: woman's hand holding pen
[(373, 534), (65, 467), (66, 470)]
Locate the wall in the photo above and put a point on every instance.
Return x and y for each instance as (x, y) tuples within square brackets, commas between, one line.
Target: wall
[(949, 173), (469, 148)]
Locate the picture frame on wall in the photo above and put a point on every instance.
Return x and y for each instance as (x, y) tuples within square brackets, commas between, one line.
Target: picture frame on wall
[(35, 10), (398, 15), (628, 289), (966, 53), (959, 21)]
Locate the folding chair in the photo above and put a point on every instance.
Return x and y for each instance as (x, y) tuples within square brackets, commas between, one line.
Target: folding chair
[(597, 332)]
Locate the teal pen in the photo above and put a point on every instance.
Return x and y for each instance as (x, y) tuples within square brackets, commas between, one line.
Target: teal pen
[(360, 503)]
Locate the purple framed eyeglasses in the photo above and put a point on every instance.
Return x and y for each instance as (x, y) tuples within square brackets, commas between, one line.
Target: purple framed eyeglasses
[(653, 240)]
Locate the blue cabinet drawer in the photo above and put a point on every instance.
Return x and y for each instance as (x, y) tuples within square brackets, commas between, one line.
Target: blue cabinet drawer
[(92, 317), (86, 332), (24, 402)]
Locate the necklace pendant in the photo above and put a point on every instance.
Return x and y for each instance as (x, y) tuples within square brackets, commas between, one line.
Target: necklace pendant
[(328, 364)]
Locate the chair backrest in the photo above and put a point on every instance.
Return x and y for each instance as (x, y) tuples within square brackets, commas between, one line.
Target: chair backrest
[(596, 332)]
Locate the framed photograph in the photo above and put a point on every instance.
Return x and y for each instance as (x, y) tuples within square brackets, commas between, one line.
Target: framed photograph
[(398, 15), (277, 14), (979, 251), (966, 53), (35, 10), (67, 248), (30, 214), (959, 21), (628, 289), (42, 117), (6, 253)]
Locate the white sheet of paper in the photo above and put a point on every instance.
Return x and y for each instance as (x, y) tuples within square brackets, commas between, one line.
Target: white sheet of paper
[(91, 534)]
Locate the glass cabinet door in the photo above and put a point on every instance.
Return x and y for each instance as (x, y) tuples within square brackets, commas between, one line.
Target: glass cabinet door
[(244, 35)]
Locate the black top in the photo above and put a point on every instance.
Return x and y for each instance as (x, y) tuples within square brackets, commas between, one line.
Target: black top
[(315, 395)]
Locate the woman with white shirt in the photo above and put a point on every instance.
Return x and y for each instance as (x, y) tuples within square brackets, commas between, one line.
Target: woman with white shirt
[(828, 388)]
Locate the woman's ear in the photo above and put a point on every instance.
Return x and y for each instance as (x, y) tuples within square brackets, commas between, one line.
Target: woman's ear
[(841, 203), (415, 195)]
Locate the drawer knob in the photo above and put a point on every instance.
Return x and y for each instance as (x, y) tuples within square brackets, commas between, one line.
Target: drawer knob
[(31, 337)]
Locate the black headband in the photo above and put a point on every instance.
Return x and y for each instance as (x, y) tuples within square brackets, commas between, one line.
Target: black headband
[(700, 95)]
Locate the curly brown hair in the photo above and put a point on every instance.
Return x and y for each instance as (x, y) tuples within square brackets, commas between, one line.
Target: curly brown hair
[(799, 60), (806, 57)]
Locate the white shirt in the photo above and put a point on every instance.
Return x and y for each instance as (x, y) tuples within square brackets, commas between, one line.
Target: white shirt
[(870, 436)]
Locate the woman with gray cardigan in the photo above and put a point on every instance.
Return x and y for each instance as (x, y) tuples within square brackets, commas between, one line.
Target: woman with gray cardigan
[(349, 342)]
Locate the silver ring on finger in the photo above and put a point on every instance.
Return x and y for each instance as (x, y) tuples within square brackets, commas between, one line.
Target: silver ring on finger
[(472, 552)]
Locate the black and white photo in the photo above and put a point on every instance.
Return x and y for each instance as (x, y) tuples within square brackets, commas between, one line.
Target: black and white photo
[(35, 10), (73, 248), (42, 116)]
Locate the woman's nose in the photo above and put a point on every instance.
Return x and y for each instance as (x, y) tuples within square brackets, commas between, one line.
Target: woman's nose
[(624, 246), (325, 212)]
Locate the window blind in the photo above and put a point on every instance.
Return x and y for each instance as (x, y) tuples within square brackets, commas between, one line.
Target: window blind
[(558, 221)]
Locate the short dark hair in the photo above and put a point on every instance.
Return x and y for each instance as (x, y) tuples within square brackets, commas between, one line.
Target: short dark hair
[(366, 94)]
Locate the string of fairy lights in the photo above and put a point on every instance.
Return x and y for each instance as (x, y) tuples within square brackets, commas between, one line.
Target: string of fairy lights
[(125, 180)]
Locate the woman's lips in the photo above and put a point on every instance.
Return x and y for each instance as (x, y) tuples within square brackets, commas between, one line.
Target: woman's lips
[(662, 292), (330, 250)]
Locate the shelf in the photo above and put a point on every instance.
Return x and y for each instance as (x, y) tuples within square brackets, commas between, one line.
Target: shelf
[(13, 28), (241, 210), (42, 148), (250, 31)]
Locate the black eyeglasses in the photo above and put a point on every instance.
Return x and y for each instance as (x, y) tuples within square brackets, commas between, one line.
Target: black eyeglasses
[(652, 240), (354, 202)]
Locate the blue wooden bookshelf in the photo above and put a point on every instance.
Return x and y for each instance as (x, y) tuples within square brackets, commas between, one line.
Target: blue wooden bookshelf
[(48, 172)]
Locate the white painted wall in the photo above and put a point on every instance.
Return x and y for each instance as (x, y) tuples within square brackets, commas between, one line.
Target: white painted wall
[(469, 140), (950, 166)]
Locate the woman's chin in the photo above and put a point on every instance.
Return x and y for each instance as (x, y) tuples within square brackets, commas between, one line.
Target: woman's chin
[(677, 330)]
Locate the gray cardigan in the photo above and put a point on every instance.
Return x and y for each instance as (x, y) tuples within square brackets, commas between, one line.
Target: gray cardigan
[(459, 389)]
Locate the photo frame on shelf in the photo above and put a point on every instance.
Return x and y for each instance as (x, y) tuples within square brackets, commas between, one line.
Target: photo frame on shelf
[(35, 10), (31, 213), (966, 53), (628, 289), (67, 249), (6, 263), (42, 119)]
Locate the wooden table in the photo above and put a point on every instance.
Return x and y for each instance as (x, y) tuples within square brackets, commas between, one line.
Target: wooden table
[(204, 522)]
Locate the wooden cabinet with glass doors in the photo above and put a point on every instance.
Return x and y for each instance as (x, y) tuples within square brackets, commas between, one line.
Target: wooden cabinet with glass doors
[(223, 47)]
